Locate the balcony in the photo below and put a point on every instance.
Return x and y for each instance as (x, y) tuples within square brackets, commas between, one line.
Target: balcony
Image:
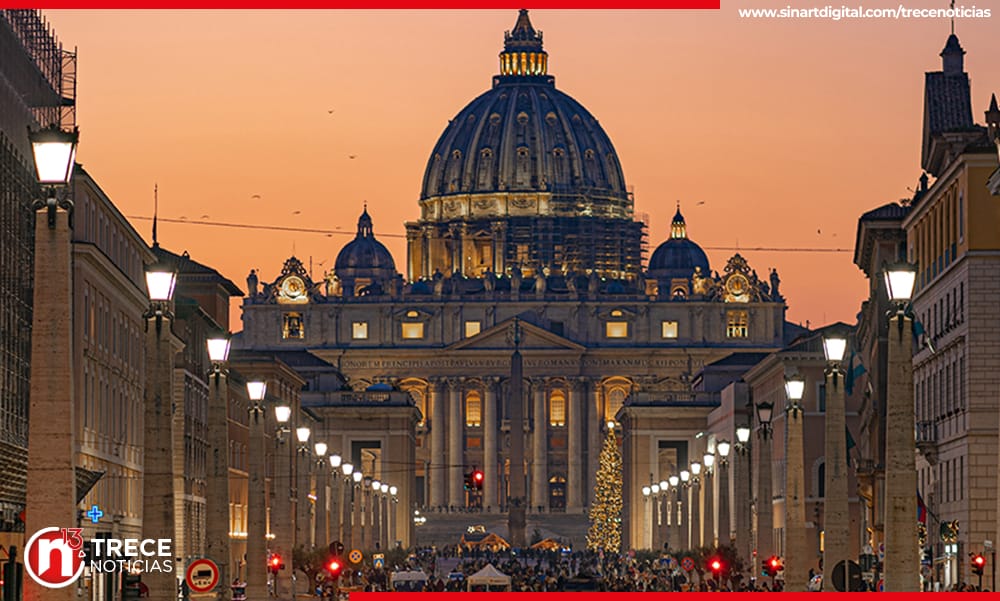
[(926, 439)]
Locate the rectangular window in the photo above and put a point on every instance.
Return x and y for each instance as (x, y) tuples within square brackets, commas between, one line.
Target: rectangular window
[(473, 410), (359, 330), (668, 329), (822, 399), (557, 409), (472, 328), (616, 329), (737, 324), (292, 327), (413, 331)]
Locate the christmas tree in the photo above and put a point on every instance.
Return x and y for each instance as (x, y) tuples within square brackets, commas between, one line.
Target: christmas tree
[(606, 513)]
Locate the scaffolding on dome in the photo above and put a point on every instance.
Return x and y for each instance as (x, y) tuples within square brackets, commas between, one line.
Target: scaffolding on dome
[(51, 97)]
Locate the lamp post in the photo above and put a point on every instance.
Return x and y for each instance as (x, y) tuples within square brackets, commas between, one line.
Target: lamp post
[(383, 527), (336, 514), (763, 500), (376, 515), (284, 499), (322, 536), (708, 492), (685, 509), (357, 509), (796, 551), (51, 477), (217, 522), (723, 447), (346, 515), (675, 513), (743, 495), (303, 517), (392, 515), (901, 544), (836, 519), (696, 513), (159, 477), (256, 503)]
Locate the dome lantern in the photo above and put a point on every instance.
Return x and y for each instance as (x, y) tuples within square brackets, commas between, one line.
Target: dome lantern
[(522, 54)]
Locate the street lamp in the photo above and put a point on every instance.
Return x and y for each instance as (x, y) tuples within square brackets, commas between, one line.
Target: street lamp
[(796, 572), (695, 471), (358, 477), (320, 449), (256, 549), (302, 434), (725, 532), (836, 519), (723, 447), (795, 387), (764, 412), (335, 460), (217, 535), (685, 476), (708, 460), (348, 469), (54, 152), (742, 439), (218, 350), (901, 539)]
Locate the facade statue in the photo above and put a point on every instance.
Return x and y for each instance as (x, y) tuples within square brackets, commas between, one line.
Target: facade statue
[(540, 282), (515, 279), (489, 280), (252, 283), (700, 283), (571, 283), (775, 281), (593, 284), (331, 284)]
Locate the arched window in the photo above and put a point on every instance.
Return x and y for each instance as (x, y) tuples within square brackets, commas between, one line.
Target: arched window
[(557, 493), (473, 409), (616, 398), (557, 408)]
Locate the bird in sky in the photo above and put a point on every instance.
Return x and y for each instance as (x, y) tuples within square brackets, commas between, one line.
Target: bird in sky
[(819, 232), (204, 217), (330, 112), (255, 196), (701, 202), (352, 156)]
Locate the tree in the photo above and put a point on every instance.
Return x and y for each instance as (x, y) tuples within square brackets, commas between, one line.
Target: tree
[(606, 512)]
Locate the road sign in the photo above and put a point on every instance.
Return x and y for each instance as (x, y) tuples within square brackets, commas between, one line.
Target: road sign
[(847, 577), (202, 575), (378, 560), (688, 564), (355, 556)]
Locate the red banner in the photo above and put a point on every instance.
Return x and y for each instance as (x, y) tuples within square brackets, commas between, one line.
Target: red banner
[(366, 4)]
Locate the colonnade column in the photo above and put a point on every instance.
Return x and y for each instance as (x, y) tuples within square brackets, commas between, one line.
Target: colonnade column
[(708, 517), (455, 454), (490, 444), (574, 423), (438, 470), (539, 447)]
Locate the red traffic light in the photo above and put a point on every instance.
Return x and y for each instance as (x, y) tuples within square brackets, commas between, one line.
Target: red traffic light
[(477, 476), (275, 561), (774, 563), (715, 565), (979, 560), (334, 566)]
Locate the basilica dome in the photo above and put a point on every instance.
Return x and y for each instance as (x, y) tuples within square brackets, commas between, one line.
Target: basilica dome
[(364, 260), (526, 136), (678, 256)]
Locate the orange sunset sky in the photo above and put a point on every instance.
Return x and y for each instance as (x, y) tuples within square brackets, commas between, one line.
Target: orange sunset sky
[(771, 133)]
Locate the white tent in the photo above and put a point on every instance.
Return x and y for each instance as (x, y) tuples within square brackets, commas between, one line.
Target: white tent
[(490, 577)]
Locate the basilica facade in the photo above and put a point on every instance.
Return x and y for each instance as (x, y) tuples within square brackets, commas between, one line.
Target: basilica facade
[(524, 218)]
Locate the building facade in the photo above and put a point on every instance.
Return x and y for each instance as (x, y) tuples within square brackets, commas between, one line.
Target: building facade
[(525, 224)]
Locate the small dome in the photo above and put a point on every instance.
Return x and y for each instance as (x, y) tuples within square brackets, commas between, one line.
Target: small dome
[(364, 252), (678, 256), (421, 287)]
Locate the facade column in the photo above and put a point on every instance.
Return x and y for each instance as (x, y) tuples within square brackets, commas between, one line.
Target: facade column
[(490, 429), (456, 432), (763, 503), (797, 556), (574, 423), (438, 471), (217, 523), (425, 254), (595, 424), (366, 515), (322, 536), (352, 511), (902, 568), (376, 529), (695, 528), (256, 550), (539, 448), (836, 516), (336, 514), (684, 516)]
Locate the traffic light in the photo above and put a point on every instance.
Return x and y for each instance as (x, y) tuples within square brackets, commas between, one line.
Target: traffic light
[(275, 563), (978, 563), (334, 566), (715, 565), (772, 565), (477, 479)]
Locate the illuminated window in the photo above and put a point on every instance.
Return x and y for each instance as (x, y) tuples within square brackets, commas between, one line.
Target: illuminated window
[(557, 408), (736, 324), (359, 330), (412, 313), (292, 327), (472, 328), (616, 329), (616, 313), (669, 329), (413, 330), (616, 398), (473, 409)]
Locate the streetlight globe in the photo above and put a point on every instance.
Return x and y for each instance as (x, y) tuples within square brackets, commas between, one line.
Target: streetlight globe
[(357, 477), (393, 490), (674, 481), (303, 434), (764, 412), (282, 413), (54, 151), (645, 491), (160, 282), (218, 349), (795, 387), (834, 348), (899, 281), (695, 468), (611, 425), (743, 434), (685, 475), (664, 485), (335, 460), (708, 460), (347, 468), (320, 448), (655, 489), (724, 447), (256, 390), (376, 485), (385, 488)]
